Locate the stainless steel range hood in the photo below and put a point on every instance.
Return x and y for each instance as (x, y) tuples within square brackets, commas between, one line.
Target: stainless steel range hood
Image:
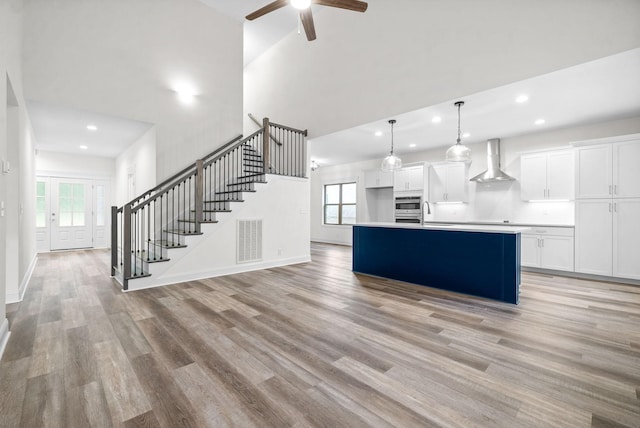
[(493, 172)]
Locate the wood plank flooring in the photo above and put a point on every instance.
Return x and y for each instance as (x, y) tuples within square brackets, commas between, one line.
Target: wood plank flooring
[(316, 345)]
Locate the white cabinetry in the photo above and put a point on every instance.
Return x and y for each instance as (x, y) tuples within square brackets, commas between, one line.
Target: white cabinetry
[(608, 209), (376, 178), (547, 176), (410, 178), (608, 237), (448, 182), (609, 170), (548, 248)]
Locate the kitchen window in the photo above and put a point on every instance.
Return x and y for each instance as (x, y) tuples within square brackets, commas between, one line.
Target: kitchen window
[(340, 203)]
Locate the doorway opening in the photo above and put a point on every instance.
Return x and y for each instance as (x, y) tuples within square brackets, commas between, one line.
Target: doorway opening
[(71, 213)]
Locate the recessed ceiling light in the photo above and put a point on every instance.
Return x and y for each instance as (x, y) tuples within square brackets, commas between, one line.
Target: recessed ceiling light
[(540, 122), (466, 135), (92, 127), (412, 145), (83, 147), (522, 98), (185, 91), (378, 134), (436, 119)]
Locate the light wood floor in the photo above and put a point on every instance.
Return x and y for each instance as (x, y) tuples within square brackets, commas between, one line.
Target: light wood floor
[(316, 345)]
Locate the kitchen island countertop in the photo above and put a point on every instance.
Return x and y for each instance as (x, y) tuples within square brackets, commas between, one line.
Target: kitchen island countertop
[(461, 227)]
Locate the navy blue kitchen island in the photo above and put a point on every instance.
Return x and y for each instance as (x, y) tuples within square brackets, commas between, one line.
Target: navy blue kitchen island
[(478, 260)]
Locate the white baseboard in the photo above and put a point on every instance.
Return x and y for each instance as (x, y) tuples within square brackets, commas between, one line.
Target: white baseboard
[(4, 336), (142, 283), (17, 297)]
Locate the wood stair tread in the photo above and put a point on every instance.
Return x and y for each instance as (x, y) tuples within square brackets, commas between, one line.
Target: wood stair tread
[(181, 232)]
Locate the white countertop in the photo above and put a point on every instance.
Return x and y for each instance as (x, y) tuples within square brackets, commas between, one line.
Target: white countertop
[(501, 223), (452, 227)]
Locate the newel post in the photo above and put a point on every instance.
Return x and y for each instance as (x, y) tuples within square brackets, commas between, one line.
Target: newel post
[(114, 240), (126, 246), (265, 145), (199, 193)]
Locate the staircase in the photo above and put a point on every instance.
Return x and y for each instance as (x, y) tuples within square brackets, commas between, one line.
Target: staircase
[(147, 229)]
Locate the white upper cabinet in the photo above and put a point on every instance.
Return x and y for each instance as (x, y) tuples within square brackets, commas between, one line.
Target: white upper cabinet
[(448, 182), (547, 176), (626, 169), (377, 178), (410, 178), (609, 170)]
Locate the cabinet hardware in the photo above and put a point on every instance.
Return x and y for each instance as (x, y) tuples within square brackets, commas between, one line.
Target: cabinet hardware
[(615, 189), (542, 242), (610, 189), (615, 207), (548, 193), (609, 206)]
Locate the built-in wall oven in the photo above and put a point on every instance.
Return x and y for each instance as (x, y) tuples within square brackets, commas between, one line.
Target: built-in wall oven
[(408, 209)]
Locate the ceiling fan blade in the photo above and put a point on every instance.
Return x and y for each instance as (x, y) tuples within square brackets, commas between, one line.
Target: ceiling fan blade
[(355, 5), (266, 9), (307, 22)]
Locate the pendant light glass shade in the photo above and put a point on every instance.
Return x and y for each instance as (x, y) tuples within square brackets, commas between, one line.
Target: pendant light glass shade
[(391, 162), (458, 152)]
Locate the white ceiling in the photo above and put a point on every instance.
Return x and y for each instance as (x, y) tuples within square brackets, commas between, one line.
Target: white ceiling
[(605, 89), (601, 90), (64, 130), (262, 33)]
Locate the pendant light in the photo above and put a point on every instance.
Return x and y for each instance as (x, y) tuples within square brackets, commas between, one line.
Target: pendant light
[(391, 162), (458, 152)]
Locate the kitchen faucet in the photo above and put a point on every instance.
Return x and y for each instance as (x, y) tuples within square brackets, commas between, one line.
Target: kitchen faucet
[(428, 210)]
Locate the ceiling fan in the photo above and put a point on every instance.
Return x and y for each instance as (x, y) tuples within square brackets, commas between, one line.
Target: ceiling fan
[(305, 11)]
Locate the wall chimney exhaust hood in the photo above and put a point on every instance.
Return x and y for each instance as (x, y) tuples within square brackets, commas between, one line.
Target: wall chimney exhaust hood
[(493, 172)]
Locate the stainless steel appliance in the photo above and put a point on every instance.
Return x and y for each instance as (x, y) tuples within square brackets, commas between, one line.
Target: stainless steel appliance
[(408, 209)]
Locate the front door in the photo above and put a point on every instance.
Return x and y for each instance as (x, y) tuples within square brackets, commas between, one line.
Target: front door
[(71, 219)]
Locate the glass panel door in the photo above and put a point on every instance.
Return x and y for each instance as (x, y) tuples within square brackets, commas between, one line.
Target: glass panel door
[(71, 225)]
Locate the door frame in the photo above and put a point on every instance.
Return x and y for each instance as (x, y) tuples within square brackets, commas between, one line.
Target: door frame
[(45, 245)]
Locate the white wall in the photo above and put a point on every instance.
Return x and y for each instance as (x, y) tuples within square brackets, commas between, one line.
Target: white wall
[(17, 187), (139, 159), (487, 202), (403, 55), (282, 204), (74, 165), (125, 58)]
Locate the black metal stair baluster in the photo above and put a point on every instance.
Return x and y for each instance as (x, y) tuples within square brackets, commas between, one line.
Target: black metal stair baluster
[(135, 243), (149, 232), (173, 197)]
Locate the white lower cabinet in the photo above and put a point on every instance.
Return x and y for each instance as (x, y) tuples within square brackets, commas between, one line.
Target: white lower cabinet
[(608, 237), (548, 248), (626, 238)]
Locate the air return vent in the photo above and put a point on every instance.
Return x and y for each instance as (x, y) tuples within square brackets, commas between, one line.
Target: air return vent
[(249, 241)]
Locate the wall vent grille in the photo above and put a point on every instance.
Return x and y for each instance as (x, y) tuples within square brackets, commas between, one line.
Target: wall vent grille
[(249, 241)]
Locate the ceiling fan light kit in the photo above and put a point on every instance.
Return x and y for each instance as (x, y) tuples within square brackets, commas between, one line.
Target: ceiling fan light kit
[(458, 152), (301, 4), (306, 17)]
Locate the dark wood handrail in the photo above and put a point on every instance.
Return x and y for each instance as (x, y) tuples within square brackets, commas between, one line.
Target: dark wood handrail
[(174, 178), (181, 176), (288, 128), (228, 149)]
